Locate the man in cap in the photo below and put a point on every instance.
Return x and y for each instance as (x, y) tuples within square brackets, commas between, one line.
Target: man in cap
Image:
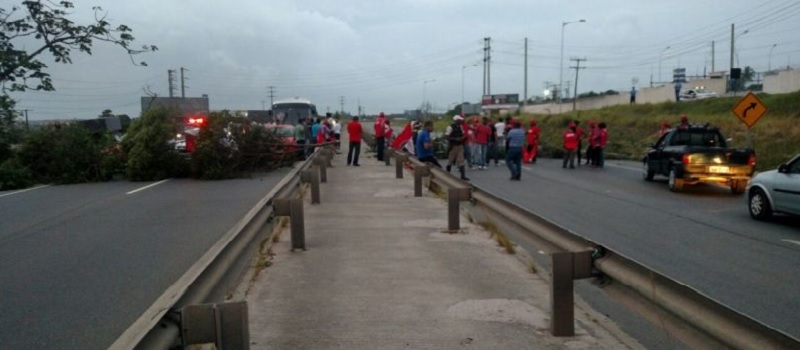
[(456, 138)]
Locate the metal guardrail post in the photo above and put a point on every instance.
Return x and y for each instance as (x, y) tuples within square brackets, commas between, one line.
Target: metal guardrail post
[(322, 164), (419, 172), (387, 156), (454, 197), (566, 267), (293, 207), (399, 161), (311, 176), (225, 325)]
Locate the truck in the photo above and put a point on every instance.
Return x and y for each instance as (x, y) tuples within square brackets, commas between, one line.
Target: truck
[(699, 154)]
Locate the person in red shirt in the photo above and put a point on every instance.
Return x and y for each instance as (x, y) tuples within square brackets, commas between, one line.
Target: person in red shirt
[(581, 135), (533, 143), (665, 127), (482, 134), (590, 149), (380, 136), (571, 141), (600, 144), (354, 131)]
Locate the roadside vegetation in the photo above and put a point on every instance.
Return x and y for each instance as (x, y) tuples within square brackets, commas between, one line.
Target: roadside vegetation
[(633, 128)]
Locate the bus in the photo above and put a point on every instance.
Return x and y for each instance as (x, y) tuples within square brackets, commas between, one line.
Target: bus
[(290, 111)]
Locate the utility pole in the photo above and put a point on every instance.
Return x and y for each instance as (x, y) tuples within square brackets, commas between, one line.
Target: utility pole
[(485, 63), (183, 83), (577, 69), (525, 93), (359, 107), (271, 95), (732, 45), (341, 104), (171, 79), (489, 66)]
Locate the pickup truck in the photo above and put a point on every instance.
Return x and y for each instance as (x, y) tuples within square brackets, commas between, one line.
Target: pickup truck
[(698, 154)]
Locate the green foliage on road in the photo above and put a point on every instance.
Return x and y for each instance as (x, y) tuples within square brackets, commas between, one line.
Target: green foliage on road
[(150, 156)]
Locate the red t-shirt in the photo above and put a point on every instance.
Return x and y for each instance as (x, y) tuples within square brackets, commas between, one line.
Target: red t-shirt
[(354, 129), (533, 135), (379, 127), (482, 133), (570, 140)]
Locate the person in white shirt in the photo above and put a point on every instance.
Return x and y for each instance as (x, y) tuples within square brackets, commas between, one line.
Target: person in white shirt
[(337, 132)]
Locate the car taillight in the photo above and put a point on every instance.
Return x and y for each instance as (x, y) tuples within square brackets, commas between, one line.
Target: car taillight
[(752, 160), (687, 158)]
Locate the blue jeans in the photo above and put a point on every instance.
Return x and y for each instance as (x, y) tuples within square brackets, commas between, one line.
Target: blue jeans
[(480, 155), (514, 161)]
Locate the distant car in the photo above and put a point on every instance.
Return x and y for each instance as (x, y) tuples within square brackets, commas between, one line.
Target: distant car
[(775, 191), (286, 134), (698, 94)]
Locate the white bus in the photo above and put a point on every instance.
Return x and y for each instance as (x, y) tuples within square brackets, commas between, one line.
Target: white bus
[(290, 111)]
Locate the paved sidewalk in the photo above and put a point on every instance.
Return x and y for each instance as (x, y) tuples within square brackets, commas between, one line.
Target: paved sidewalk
[(380, 274)]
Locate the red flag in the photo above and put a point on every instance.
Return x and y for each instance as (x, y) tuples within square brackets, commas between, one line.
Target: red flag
[(404, 136)]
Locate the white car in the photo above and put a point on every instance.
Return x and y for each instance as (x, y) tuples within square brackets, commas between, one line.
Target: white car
[(698, 94), (775, 191)]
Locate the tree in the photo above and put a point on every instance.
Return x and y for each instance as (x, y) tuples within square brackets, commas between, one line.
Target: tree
[(36, 27), (748, 75), (106, 113), (47, 22)]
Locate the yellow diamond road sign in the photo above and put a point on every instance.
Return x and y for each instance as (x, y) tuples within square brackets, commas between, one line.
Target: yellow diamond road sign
[(749, 109)]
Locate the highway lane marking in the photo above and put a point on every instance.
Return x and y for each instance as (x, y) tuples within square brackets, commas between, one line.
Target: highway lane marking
[(791, 241), (25, 190), (148, 186)]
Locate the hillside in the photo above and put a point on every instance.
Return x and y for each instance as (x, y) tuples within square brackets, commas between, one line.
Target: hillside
[(776, 137)]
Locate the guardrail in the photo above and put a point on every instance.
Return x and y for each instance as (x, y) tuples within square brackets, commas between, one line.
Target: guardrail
[(219, 270), (695, 319)]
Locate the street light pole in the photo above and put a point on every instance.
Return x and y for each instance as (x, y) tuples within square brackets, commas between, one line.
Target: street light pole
[(659, 64), (769, 65), (561, 63)]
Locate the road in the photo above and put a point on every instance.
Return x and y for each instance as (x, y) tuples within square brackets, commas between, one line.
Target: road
[(702, 237), (79, 263)]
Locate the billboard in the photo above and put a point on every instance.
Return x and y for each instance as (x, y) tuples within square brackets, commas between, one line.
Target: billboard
[(500, 101)]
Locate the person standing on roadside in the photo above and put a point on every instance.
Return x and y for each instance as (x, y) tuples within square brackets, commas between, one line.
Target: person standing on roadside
[(424, 145), (380, 136), (456, 137), (354, 130), (516, 139), (337, 132), (533, 143), (581, 135), (299, 134), (600, 145), (500, 139), (491, 152), (469, 140), (571, 140), (590, 148), (684, 125), (633, 97), (665, 127), (482, 135)]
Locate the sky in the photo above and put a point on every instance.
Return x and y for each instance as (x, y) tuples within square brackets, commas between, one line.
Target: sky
[(393, 55)]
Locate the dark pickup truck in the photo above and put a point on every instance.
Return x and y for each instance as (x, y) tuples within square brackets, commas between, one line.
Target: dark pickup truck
[(699, 154)]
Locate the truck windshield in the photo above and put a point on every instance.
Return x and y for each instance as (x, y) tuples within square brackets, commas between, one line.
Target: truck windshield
[(290, 113), (701, 138)]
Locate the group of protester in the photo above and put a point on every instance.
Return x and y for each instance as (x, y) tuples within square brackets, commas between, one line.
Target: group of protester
[(478, 142), (310, 133)]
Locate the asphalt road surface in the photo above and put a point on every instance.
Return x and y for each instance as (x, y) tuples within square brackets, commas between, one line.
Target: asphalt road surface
[(80, 263), (703, 237)]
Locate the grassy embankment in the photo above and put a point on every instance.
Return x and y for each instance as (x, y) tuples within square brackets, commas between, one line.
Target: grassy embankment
[(632, 129)]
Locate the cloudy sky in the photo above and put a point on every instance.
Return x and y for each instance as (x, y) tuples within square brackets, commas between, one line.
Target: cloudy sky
[(391, 55)]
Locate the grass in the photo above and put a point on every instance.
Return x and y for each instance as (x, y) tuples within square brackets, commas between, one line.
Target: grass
[(499, 236), (633, 128)]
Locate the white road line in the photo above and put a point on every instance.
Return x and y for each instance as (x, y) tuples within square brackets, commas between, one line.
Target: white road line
[(148, 186), (791, 241), (25, 190)]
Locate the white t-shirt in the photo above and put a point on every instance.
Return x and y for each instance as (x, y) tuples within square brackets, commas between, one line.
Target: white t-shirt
[(337, 128), (501, 128)]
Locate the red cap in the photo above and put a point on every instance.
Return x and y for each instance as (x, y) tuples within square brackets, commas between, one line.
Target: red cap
[(572, 125)]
